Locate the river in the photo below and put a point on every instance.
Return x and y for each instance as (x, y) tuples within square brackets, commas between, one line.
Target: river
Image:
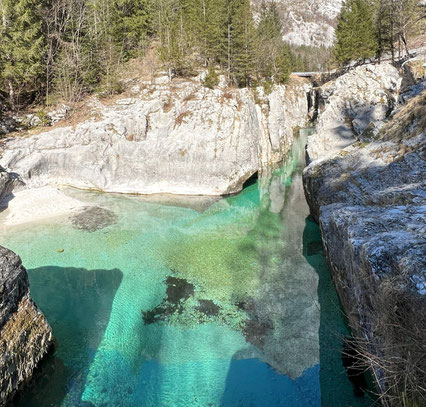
[(178, 302)]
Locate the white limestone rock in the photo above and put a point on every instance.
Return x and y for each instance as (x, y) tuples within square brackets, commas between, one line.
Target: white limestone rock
[(307, 22), (175, 137), (350, 104), (370, 202)]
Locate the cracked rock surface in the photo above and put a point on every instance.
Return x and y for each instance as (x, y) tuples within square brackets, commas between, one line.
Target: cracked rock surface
[(25, 335), (171, 137), (369, 196)]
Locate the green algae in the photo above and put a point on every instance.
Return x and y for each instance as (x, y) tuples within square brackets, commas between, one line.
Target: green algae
[(216, 263)]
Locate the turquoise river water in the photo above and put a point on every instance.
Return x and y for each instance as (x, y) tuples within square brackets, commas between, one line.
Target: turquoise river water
[(181, 302)]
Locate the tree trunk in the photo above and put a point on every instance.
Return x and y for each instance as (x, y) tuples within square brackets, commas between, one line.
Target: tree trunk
[(11, 95), (229, 51), (404, 40)]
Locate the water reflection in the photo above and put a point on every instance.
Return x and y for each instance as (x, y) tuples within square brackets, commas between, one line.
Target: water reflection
[(273, 340)]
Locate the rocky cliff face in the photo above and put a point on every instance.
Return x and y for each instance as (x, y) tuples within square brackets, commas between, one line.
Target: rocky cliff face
[(354, 103), (308, 22), (25, 335), (7, 182), (177, 137), (366, 188)]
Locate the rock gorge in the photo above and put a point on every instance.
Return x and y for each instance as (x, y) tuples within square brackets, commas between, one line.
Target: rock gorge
[(364, 185), (366, 188)]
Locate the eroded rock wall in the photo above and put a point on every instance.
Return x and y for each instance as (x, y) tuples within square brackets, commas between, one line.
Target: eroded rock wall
[(7, 182), (369, 197), (357, 101), (25, 335), (177, 137)]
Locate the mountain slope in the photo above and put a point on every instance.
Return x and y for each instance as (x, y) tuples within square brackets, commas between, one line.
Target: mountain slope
[(308, 22)]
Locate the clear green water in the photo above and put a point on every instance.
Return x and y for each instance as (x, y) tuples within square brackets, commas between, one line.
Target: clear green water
[(270, 336)]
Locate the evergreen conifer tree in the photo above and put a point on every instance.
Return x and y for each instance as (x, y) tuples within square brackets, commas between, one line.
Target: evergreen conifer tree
[(356, 32), (273, 54), (22, 48), (242, 38), (130, 24)]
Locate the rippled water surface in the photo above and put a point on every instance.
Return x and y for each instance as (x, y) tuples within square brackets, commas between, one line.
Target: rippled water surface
[(184, 302)]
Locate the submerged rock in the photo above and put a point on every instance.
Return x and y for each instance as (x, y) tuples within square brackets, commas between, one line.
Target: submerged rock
[(256, 329), (94, 218), (178, 291), (25, 335), (208, 308), (179, 138)]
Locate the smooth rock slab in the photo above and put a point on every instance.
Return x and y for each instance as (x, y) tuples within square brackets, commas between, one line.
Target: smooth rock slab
[(174, 138)]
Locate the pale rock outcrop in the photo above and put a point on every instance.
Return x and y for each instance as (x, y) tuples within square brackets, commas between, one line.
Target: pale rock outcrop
[(25, 335), (8, 182), (369, 198), (356, 101), (308, 22), (177, 137)]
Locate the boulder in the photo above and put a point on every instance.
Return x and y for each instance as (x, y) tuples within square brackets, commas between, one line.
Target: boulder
[(8, 181), (349, 105), (25, 335)]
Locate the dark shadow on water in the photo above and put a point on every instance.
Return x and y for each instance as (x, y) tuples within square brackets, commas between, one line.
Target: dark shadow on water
[(252, 383), (251, 181), (336, 389), (77, 303)]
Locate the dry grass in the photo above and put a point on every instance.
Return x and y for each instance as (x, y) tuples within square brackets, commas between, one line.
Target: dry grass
[(168, 105), (411, 117), (181, 117), (143, 68), (397, 357), (190, 97), (227, 95)]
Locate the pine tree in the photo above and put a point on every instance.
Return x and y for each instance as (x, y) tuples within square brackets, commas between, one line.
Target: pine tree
[(211, 19), (241, 37), (175, 47), (130, 25), (356, 32), (273, 55), (395, 19), (22, 49)]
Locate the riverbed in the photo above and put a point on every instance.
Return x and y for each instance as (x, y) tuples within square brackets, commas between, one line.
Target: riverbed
[(186, 301)]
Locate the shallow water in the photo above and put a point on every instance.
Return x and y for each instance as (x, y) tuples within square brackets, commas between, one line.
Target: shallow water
[(181, 302)]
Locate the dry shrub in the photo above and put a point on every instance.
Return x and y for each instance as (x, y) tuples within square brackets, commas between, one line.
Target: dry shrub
[(398, 321), (145, 67), (180, 118), (411, 117), (168, 105), (191, 96), (227, 95)]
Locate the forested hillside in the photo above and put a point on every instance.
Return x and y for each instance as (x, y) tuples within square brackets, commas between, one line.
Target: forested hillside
[(61, 50), (65, 48), (375, 28)]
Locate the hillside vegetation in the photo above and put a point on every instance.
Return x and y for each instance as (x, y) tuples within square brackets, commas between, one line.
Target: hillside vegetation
[(56, 49)]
